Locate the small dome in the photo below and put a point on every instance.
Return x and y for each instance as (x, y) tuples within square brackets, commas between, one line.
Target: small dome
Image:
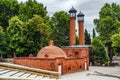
[(51, 51)]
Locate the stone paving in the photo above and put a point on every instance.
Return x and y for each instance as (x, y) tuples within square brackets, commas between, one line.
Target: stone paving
[(94, 73), (15, 72)]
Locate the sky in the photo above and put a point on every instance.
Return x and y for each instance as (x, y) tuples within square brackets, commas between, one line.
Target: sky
[(90, 8)]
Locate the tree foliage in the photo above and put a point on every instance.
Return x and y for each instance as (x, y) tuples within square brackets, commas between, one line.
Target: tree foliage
[(30, 8), (94, 34), (109, 21), (98, 51), (87, 38), (108, 24), (25, 11), (28, 28), (37, 34), (77, 40), (60, 27), (28, 37), (3, 42), (115, 40), (23, 33), (8, 9), (15, 34)]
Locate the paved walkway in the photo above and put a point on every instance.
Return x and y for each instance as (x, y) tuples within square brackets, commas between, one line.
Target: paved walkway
[(94, 73), (10, 71)]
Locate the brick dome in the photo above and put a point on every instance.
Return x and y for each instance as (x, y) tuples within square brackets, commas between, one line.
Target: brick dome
[(51, 51)]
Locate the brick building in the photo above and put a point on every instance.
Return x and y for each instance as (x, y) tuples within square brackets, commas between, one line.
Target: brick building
[(65, 59)]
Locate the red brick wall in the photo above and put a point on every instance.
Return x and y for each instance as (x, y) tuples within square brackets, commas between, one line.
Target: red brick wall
[(76, 52), (36, 63), (68, 65), (73, 65), (77, 58)]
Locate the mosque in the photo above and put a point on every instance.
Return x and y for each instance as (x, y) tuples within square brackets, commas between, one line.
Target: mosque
[(66, 59)]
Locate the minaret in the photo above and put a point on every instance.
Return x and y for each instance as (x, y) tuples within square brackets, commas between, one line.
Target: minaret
[(72, 35), (81, 28)]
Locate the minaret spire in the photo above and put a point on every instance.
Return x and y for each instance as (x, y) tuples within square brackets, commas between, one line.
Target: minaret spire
[(72, 35)]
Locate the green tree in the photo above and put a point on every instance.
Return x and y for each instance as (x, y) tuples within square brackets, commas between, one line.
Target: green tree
[(60, 27), (30, 8), (87, 37), (15, 35), (108, 24), (37, 34), (3, 43), (115, 40), (77, 40), (8, 9), (94, 34), (98, 52)]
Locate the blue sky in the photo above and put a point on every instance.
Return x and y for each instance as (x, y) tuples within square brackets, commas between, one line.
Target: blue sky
[(90, 8)]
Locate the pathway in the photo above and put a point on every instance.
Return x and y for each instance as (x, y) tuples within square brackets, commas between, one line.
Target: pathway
[(94, 73)]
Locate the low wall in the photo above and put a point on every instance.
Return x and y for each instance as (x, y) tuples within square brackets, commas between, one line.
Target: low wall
[(68, 65), (36, 62)]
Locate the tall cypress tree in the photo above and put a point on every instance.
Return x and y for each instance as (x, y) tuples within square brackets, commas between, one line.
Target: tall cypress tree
[(94, 34), (87, 37)]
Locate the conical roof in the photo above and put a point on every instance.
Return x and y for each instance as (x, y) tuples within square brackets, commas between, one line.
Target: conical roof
[(72, 10), (80, 14)]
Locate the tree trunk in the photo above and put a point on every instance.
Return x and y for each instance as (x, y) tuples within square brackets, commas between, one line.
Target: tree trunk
[(107, 52), (1, 55), (110, 55), (14, 54)]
